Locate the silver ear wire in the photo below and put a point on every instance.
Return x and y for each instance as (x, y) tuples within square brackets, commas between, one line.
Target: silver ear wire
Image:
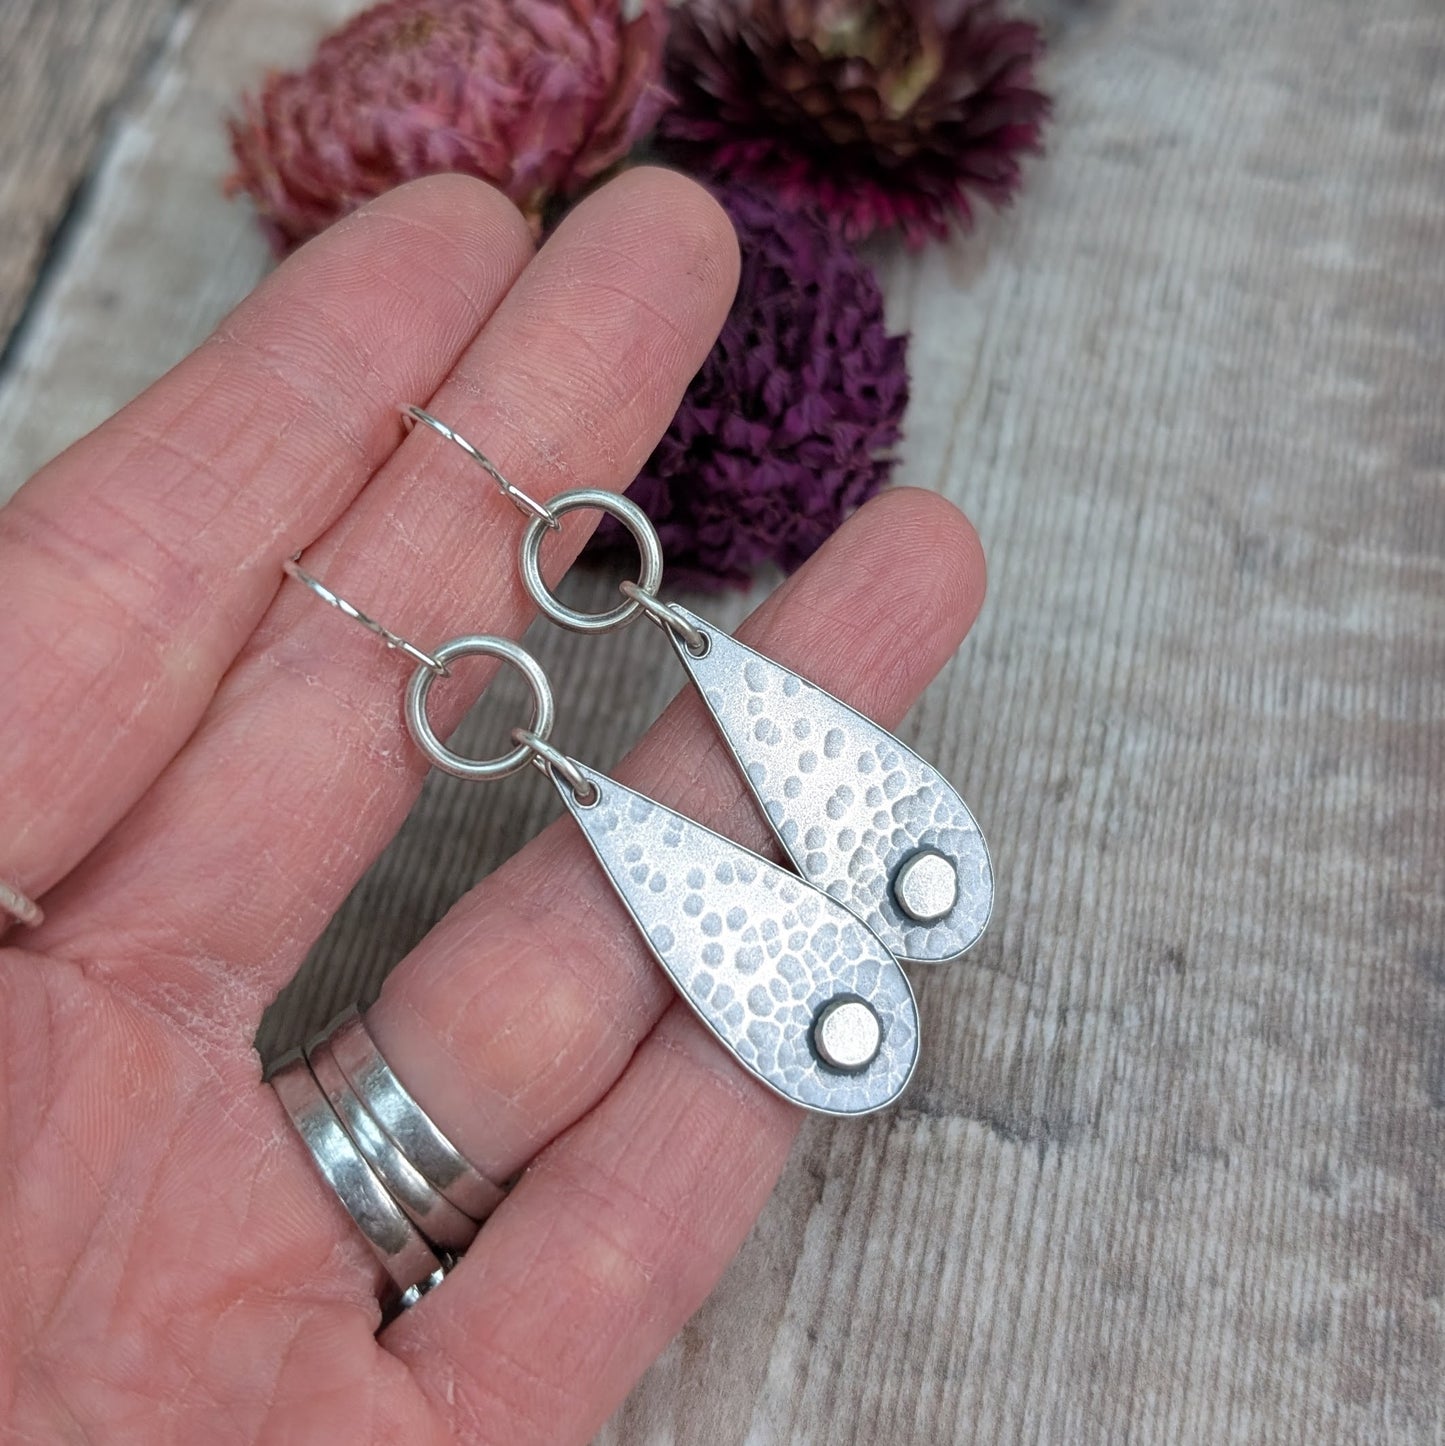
[(528, 506), (392, 640)]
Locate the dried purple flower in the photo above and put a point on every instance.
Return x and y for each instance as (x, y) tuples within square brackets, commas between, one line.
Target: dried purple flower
[(788, 426), (881, 112), (539, 97)]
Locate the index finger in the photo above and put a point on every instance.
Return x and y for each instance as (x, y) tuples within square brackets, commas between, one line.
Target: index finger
[(138, 562)]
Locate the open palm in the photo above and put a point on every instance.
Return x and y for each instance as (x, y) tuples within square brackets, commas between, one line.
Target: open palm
[(197, 765)]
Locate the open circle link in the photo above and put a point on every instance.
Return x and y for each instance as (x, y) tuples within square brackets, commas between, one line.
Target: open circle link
[(633, 518), (479, 769), (392, 640), (528, 506)]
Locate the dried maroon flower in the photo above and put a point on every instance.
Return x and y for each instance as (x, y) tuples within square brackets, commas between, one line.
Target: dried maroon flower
[(790, 423), (882, 112), (539, 97)]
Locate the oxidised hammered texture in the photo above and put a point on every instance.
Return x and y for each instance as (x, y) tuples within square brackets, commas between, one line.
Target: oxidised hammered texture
[(848, 801), (753, 948)]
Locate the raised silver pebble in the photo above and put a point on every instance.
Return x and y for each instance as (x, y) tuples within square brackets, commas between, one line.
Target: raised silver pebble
[(847, 1034), (926, 886)]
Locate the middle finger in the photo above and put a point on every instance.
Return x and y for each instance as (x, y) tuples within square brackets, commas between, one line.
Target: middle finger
[(218, 882)]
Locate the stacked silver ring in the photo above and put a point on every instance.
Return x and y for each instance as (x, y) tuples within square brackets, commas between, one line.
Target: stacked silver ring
[(414, 1196)]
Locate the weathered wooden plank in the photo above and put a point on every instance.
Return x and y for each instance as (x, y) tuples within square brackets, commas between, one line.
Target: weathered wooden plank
[(158, 254), (1174, 1167), (62, 67)]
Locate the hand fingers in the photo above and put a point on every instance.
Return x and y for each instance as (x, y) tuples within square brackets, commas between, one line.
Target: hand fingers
[(524, 1006), (304, 754), (520, 1009), (609, 1242), (138, 562)]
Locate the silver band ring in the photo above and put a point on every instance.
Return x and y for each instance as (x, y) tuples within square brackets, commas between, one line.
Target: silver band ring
[(634, 519), (20, 906), (528, 506), (413, 1294), (419, 690), (668, 618), (430, 1211), (392, 640), (552, 761), (413, 1131), (398, 1244)]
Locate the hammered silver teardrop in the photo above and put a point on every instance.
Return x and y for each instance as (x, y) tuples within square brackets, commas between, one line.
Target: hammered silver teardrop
[(852, 805), (756, 951)]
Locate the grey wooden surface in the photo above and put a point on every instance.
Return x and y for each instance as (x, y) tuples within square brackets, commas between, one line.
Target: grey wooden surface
[(1173, 1169)]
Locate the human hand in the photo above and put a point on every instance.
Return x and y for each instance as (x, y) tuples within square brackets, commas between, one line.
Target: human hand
[(197, 766)]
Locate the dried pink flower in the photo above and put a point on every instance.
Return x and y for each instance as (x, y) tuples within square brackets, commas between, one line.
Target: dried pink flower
[(539, 97)]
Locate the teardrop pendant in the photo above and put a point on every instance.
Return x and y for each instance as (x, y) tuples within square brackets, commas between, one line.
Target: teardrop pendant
[(861, 815), (803, 995)]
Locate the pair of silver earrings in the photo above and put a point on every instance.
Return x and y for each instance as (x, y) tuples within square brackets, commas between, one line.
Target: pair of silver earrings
[(798, 974)]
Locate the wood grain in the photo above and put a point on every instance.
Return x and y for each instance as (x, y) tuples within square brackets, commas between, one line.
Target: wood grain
[(62, 67), (1174, 1166)]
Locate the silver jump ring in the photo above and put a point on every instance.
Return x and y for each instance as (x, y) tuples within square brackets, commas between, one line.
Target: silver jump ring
[(668, 618), (634, 519), (528, 506), (553, 761), (479, 770), (392, 640), (21, 906)]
